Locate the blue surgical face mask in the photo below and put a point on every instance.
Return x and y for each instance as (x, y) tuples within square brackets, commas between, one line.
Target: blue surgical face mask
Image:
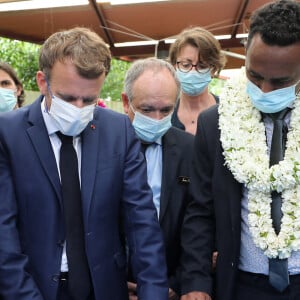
[(148, 129), (8, 99), (193, 83), (273, 101)]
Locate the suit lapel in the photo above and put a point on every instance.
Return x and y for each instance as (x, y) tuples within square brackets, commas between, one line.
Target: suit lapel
[(232, 189), (235, 195), (38, 135), (170, 163), (89, 155)]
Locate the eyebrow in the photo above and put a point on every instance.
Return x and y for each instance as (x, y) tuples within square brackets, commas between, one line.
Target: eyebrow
[(278, 79), (154, 108), (6, 81)]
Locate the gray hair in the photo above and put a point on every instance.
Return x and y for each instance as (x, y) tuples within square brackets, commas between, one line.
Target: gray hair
[(142, 65)]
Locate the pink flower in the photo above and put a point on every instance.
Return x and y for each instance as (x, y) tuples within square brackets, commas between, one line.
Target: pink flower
[(101, 103)]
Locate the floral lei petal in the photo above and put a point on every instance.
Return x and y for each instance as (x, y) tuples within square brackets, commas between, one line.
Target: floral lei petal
[(245, 151)]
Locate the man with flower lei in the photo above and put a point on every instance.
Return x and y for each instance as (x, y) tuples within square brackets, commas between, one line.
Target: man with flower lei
[(232, 181)]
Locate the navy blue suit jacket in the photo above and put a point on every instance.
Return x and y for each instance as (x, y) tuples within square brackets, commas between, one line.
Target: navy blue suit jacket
[(115, 198), (177, 148)]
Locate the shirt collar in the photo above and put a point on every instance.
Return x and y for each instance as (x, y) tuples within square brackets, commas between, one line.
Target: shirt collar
[(159, 141)]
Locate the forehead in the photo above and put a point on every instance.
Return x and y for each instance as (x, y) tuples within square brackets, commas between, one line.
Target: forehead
[(5, 76), (65, 79), (272, 61), (188, 51), (155, 86)]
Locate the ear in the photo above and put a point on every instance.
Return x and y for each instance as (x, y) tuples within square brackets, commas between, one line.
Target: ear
[(125, 101), (19, 90), (41, 82), (43, 87)]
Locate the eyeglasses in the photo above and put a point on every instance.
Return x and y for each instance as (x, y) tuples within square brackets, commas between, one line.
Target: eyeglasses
[(185, 67)]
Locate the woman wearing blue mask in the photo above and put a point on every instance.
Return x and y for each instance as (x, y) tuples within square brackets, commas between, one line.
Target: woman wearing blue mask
[(11, 89), (196, 55)]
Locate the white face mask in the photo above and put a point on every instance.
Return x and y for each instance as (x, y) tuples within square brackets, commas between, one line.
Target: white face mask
[(70, 119)]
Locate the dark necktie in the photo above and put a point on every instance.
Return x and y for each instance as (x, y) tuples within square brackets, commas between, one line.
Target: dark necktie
[(278, 268), (144, 147), (79, 282)]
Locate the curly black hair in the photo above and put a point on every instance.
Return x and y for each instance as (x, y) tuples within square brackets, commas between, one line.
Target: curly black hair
[(278, 23)]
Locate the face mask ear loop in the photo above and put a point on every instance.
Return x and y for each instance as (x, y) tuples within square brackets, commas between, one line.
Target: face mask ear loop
[(16, 93), (131, 107), (297, 92)]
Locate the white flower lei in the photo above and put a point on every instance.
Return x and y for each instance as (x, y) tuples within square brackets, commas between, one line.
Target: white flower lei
[(245, 151)]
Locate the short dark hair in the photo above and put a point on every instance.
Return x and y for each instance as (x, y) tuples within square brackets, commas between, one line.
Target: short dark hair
[(278, 23), (12, 73)]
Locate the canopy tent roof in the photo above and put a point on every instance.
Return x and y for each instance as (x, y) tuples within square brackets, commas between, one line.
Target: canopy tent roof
[(152, 23)]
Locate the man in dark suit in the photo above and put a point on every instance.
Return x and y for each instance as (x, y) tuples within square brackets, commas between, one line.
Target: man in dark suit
[(150, 92), (235, 179), (53, 246)]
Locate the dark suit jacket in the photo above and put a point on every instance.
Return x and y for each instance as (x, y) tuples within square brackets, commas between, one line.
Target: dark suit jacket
[(176, 162), (113, 187), (213, 213), (175, 120), (177, 154)]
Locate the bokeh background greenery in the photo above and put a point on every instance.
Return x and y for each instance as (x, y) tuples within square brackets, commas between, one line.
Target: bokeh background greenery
[(23, 57)]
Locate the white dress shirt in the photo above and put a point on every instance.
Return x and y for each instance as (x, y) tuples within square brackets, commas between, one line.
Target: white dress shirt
[(56, 144)]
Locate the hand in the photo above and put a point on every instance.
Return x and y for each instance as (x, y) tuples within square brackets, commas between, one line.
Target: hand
[(195, 296), (214, 260), (173, 295), (132, 291)]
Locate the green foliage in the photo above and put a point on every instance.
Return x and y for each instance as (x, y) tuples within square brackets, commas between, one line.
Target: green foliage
[(23, 57), (216, 86), (113, 84)]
